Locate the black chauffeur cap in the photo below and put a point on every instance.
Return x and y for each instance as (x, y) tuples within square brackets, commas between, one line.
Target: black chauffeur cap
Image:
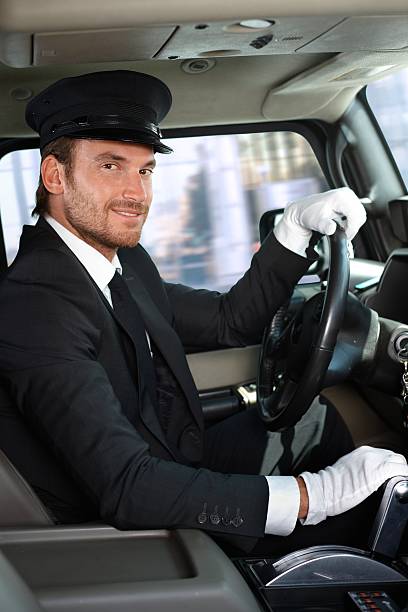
[(111, 105)]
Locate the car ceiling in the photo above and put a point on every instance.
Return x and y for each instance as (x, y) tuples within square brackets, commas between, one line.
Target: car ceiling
[(307, 62)]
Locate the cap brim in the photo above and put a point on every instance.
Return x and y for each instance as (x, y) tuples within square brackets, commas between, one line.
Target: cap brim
[(122, 135)]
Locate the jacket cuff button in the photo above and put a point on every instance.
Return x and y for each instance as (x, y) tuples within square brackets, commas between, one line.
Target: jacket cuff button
[(202, 517), (237, 520), (215, 517)]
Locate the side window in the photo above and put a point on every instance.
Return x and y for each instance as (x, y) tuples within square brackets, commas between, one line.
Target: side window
[(208, 198), (388, 99), (19, 177)]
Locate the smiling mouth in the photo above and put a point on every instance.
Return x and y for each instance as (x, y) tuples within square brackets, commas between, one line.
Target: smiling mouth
[(128, 213)]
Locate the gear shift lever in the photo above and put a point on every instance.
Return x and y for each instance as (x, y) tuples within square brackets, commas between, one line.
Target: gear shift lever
[(331, 572), (391, 518)]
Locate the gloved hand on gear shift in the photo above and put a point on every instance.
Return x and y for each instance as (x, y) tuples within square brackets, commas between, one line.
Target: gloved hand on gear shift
[(349, 481), (319, 213)]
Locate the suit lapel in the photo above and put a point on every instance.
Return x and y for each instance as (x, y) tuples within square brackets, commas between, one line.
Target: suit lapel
[(147, 412), (163, 335), (46, 234), (165, 338)]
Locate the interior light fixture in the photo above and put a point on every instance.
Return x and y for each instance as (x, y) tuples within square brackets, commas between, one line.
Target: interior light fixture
[(249, 25), (256, 24)]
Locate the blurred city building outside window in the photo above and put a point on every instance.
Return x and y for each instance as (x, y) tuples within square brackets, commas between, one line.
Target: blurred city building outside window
[(208, 198)]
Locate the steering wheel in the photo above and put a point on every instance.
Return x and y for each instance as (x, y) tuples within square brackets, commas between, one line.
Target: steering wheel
[(296, 353)]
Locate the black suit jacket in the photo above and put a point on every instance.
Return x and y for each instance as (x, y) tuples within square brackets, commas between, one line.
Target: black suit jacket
[(69, 369)]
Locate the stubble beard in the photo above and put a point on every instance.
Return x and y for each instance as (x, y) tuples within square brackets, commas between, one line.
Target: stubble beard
[(91, 221)]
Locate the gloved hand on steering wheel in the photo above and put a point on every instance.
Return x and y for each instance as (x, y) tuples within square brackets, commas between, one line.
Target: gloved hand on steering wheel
[(319, 213), (350, 481)]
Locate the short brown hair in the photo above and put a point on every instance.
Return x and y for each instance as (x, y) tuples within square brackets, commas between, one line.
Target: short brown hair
[(63, 150)]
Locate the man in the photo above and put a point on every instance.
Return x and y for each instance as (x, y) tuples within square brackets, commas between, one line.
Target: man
[(92, 349)]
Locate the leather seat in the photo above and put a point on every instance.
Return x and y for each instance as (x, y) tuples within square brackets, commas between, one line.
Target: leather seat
[(15, 596), (19, 453), (19, 505)]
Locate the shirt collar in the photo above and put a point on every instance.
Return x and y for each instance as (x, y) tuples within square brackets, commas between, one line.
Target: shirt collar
[(98, 267)]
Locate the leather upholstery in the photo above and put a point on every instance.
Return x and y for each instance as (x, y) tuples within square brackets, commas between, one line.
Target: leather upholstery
[(14, 594), (19, 505)]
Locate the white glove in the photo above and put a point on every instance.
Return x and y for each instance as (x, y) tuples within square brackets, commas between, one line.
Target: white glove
[(349, 481), (319, 212)]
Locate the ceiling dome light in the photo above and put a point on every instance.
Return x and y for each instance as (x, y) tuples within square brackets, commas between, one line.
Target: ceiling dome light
[(256, 24), (249, 25)]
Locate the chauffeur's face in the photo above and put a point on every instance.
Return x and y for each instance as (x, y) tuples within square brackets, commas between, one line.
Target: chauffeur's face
[(106, 199)]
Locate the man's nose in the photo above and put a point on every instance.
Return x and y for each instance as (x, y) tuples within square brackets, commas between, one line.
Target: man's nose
[(135, 188)]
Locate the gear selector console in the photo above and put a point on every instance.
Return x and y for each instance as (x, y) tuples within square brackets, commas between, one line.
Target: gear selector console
[(322, 577)]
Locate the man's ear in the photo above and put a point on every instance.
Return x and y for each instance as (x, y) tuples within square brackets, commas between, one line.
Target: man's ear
[(53, 176)]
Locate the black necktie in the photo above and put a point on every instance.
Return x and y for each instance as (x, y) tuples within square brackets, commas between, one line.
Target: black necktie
[(129, 315), (156, 378)]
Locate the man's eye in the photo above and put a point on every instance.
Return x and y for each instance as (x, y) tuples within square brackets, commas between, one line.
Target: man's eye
[(109, 166), (146, 171)]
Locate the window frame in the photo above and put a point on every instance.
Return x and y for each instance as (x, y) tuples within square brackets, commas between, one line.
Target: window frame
[(316, 133)]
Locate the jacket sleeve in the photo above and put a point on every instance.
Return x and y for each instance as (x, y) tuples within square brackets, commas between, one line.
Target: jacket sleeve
[(209, 319), (49, 360)]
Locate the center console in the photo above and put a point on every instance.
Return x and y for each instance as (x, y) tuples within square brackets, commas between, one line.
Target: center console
[(100, 569), (329, 578)]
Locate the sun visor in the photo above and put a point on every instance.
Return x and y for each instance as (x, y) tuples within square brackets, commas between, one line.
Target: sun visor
[(85, 46), (309, 93)]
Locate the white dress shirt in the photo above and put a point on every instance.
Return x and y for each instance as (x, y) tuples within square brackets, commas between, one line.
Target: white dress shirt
[(100, 269), (284, 495)]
